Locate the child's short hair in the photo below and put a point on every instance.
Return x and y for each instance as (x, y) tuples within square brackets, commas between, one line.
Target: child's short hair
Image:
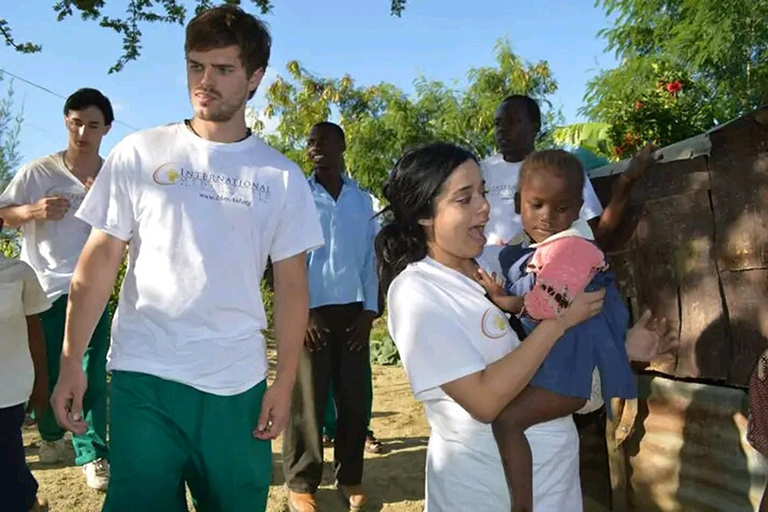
[(554, 161)]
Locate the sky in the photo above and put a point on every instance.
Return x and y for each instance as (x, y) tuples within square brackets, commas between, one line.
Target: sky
[(438, 39)]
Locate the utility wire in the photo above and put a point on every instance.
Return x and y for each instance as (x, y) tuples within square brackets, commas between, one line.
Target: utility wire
[(43, 88)]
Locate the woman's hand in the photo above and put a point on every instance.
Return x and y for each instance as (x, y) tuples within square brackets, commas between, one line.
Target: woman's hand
[(584, 307), (650, 338)]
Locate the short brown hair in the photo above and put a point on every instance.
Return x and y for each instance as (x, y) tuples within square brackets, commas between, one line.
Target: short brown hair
[(554, 161), (228, 25)]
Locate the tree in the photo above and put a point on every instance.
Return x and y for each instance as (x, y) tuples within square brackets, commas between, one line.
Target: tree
[(381, 120), (137, 13), (10, 128), (686, 65)]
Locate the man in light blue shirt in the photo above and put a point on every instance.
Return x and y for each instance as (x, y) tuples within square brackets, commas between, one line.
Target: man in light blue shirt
[(343, 291)]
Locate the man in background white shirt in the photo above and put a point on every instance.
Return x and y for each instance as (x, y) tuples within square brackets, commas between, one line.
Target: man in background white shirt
[(517, 124), (42, 199)]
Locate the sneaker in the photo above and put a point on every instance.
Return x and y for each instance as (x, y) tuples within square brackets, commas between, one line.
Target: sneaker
[(97, 474), (50, 451)]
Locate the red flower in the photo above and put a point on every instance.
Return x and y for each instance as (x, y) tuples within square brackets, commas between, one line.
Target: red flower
[(638, 105), (674, 87)]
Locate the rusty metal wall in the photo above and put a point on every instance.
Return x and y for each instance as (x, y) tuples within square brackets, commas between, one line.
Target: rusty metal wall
[(693, 247), (688, 452)]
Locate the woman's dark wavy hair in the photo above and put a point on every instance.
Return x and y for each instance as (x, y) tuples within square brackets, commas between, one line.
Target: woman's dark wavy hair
[(411, 190)]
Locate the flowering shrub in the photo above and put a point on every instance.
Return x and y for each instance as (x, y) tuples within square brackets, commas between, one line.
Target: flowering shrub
[(672, 109)]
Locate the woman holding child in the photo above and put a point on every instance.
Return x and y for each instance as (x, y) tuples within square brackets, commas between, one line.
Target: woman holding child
[(462, 357)]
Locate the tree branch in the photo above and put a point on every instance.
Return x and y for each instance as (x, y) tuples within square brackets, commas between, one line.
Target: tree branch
[(5, 30), (138, 11)]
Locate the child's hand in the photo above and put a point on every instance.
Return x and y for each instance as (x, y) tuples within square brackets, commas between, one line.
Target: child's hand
[(640, 163), (490, 283), (496, 292), (650, 339)]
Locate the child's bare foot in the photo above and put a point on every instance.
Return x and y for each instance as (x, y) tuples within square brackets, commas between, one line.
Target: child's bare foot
[(41, 505)]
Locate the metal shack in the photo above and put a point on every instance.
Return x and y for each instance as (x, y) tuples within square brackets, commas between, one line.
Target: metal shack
[(694, 248)]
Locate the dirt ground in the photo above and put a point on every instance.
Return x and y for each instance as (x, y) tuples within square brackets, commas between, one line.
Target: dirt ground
[(395, 479)]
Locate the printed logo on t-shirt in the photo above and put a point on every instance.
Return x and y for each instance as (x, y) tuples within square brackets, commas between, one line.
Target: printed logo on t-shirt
[(213, 186), (505, 192), (494, 324), (71, 194)]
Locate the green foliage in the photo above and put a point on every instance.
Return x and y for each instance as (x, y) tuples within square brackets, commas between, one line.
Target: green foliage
[(661, 105), (10, 243), (268, 296), (5, 31), (383, 349), (594, 137), (686, 65), (115, 295), (381, 120), (137, 13), (10, 128)]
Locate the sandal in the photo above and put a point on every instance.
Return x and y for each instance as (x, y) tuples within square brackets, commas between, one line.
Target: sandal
[(373, 445)]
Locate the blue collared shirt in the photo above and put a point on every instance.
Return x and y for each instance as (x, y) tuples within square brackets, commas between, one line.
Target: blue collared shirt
[(343, 270)]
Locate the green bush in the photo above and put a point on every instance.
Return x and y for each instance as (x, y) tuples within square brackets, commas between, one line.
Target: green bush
[(10, 243), (383, 349), (112, 304)]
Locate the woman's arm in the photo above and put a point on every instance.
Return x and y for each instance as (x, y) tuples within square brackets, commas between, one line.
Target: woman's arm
[(485, 393)]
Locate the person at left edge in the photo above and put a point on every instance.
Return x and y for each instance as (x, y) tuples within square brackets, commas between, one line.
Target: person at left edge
[(42, 199)]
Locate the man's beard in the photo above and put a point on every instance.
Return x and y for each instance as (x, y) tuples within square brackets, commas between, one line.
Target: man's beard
[(223, 112)]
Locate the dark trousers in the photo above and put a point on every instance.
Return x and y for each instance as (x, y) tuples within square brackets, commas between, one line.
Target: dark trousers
[(18, 488), (302, 439)]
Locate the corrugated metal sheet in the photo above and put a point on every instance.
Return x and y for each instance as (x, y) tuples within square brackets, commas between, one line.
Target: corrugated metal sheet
[(689, 450), (688, 149)]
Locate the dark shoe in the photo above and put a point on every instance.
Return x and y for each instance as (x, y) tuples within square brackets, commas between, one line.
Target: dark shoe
[(352, 496)]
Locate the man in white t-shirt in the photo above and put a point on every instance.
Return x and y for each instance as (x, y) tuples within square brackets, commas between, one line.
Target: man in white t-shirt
[(42, 200), (517, 124), (200, 205)]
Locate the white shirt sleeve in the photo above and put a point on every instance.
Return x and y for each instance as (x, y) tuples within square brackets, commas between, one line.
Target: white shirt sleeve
[(108, 205), (298, 229), (17, 193), (433, 346), (592, 207), (34, 298)]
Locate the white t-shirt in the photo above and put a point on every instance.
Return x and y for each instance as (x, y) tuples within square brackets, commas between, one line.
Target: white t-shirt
[(501, 182), (50, 247), (444, 329), (201, 218), (20, 296)]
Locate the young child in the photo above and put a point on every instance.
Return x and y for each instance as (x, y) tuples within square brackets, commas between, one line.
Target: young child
[(22, 377), (556, 262)]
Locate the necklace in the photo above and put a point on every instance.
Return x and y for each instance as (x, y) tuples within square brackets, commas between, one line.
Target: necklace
[(248, 132), (72, 172)]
